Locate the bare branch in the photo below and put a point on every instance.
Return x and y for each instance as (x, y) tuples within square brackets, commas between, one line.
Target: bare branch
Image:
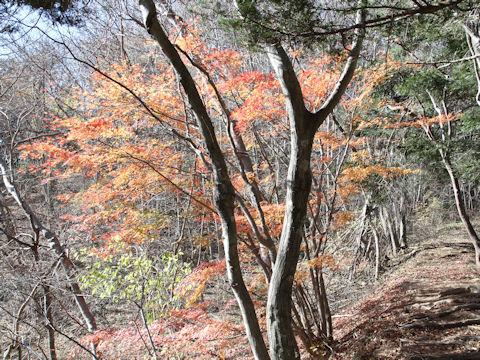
[(346, 75)]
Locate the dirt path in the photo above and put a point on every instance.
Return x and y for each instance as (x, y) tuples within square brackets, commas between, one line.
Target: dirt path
[(428, 307)]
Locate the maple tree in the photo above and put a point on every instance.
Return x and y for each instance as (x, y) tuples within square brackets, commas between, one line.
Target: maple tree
[(132, 160), (167, 157), (87, 150)]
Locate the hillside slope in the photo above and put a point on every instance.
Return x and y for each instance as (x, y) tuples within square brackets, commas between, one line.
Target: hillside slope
[(427, 307)]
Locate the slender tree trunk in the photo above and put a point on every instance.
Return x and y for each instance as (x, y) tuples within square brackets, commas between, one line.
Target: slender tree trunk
[(377, 252), (453, 178), (15, 345), (461, 210), (472, 30), (224, 192), (47, 297), (147, 330), (403, 231), (360, 229), (328, 330), (54, 243), (393, 236)]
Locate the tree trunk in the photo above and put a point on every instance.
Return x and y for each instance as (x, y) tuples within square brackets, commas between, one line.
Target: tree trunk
[(59, 250), (403, 231), (280, 333), (360, 231), (224, 191), (47, 297), (472, 29), (461, 210), (389, 230), (377, 252), (328, 330), (303, 126)]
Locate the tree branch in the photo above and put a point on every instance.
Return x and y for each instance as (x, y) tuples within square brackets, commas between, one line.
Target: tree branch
[(347, 73)]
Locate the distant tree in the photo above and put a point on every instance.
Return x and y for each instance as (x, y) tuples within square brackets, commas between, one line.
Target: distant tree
[(68, 12), (437, 92), (22, 106)]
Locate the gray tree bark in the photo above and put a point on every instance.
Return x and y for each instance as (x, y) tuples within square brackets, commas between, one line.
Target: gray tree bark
[(462, 212), (303, 125), (445, 155)]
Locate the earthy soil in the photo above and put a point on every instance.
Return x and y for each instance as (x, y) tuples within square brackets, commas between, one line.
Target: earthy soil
[(426, 307)]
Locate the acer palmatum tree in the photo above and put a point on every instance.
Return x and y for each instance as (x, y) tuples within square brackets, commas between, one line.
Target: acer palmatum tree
[(303, 125), (114, 155)]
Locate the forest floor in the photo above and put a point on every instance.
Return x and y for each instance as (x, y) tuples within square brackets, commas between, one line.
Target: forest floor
[(426, 306)]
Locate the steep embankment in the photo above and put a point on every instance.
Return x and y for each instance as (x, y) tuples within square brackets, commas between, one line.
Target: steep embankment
[(427, 307)]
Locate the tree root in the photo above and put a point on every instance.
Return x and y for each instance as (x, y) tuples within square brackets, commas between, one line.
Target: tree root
[(443, 325)]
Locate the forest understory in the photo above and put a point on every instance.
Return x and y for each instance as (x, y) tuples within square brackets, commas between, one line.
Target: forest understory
[(425, 305)]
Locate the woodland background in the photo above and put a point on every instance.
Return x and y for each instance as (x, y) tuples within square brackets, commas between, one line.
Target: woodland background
[(124, 228)]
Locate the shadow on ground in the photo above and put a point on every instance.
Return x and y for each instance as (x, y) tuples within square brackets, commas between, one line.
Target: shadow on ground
[(427, 307)]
